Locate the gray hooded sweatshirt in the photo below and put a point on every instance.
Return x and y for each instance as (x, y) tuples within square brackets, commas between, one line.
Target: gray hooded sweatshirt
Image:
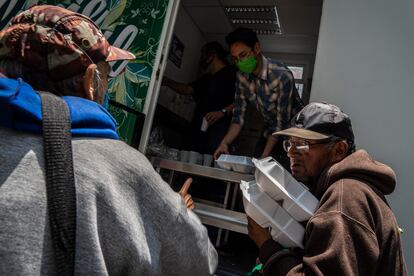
[(129, 221)]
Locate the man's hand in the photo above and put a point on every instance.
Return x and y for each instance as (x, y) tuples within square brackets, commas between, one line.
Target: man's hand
[(264, 155), (213, 117), (257, 233), (270, 144), (223, 148), (188, 200)]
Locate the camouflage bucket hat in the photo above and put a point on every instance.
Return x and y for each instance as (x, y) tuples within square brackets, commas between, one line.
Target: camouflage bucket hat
[(57, 41)]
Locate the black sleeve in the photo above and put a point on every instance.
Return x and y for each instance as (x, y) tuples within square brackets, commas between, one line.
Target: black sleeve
[(230, 85), (277, 260), (198, 86)]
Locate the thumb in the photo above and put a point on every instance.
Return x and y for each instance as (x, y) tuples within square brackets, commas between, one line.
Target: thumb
[(184, 189)]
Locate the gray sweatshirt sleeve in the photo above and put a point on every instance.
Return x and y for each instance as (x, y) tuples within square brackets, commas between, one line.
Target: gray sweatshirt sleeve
[(129, 221), (142, 225), (187, 249)]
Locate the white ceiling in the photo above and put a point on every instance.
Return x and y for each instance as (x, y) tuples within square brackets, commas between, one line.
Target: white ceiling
[(299, 20)]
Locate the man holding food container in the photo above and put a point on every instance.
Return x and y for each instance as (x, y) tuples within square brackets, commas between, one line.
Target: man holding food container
[(353, 230)]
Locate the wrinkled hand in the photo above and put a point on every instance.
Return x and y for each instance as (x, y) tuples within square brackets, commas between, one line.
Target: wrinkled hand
[(257, 233), (188, 200), (264, 155), (213, 117), (223, 148)]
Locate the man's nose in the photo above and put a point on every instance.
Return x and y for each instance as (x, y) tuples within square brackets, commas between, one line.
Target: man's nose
[(292, 151)]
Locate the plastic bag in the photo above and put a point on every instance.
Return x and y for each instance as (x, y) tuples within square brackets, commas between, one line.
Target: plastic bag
[(156, 145)]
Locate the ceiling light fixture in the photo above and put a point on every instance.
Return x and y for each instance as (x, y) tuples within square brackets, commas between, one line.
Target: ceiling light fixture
[(264, 20)]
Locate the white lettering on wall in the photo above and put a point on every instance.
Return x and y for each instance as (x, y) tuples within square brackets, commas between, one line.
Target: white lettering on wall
[(124, 40), (93, 5)]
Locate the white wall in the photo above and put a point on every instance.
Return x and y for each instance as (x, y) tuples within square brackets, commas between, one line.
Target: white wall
[(191, 37), (364, 64)]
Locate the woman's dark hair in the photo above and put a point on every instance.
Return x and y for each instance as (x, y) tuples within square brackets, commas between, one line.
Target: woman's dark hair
[(244, 35)]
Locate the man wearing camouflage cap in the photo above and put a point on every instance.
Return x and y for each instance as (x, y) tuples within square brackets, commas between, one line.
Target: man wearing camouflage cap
[(128, 221)]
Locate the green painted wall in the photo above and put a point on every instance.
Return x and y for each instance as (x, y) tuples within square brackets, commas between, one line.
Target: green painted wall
[(135, 25)]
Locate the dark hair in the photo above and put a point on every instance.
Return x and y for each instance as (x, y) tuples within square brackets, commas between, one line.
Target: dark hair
[(351, 146), (350, 143), (244, 35), (214, 48)]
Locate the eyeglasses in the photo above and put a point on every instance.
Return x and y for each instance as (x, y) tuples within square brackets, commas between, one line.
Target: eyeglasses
[(301, 145)]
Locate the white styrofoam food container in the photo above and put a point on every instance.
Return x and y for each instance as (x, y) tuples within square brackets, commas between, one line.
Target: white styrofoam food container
[(279, 184), (268, 213), (235, 163)]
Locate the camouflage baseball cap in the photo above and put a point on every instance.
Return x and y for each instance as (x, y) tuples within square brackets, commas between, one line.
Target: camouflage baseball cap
[(57, 41)]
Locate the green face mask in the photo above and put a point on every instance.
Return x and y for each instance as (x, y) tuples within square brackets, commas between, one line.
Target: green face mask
[(247, 65)]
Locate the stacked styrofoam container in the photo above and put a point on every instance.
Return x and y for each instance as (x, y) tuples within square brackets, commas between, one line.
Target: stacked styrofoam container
[(275, 199), (268, 213), (242, 164)]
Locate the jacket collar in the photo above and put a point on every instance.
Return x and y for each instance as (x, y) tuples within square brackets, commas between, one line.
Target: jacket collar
[(359, 166), (21, 109), (263, 72)]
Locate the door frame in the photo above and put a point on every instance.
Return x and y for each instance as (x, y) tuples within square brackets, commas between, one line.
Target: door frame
[(158, 71)]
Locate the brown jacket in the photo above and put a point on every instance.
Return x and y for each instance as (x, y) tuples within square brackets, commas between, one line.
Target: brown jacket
[(353, 232)]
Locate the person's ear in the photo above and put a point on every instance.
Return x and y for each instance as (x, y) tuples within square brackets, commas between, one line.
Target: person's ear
[(88, 82), (340, 150), (257, 48), (212, 57)]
